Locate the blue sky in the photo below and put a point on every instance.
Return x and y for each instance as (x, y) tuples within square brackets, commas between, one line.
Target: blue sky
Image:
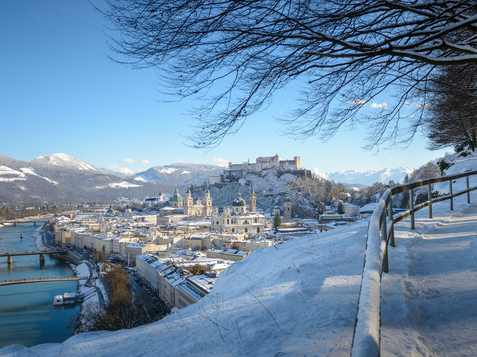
[(59, 92)]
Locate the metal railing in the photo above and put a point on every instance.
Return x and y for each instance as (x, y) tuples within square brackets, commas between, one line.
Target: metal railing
[(366, 338)]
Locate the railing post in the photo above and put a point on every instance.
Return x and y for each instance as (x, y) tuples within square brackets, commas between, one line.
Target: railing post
[(451, 196), (468, 192), (391, 232), (385, 260), (429, 198), (411, 207)]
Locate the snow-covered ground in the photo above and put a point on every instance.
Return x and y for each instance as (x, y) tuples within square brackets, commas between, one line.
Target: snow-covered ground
[(429, 298), (298, 298), (88, 288)]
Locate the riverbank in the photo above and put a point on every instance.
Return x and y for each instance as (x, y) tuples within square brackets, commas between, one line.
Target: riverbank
[(28, 316), (38, 217), (92, 289)]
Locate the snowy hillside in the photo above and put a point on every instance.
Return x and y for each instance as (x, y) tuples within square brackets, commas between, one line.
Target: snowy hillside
[(64, 160), (459, 163), (365, 177), (270, 188), (295, 299), (62, 178), (179, 174)]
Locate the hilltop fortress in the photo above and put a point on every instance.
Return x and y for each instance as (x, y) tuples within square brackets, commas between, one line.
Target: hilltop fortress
[(238, 171)]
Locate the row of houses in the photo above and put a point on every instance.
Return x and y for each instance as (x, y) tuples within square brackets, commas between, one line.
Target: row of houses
[(174, 286)]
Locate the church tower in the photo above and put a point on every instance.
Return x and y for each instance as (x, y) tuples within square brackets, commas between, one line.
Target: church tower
[(207, 203), (188, 202), (252, 201), (287, 208)]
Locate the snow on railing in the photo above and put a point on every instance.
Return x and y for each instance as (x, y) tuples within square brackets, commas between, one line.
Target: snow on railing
[(366, 338)]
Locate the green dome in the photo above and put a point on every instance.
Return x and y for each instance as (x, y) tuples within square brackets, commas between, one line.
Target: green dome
[(287, 198), (177, 197)]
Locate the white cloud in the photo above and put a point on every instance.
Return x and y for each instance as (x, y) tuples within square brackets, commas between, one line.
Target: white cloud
[(382, 105), (121, 170), (319, 174), (127, 161), (356, 102), (221, 161), (418, 105), (145, 161)]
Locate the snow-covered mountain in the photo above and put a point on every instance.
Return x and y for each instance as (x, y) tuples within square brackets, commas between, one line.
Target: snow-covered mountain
[(179, 174), (62, 178), (64, 160), (365, 177)]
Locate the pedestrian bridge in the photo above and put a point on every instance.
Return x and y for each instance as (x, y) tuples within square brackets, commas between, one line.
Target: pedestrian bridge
[(40, 280), (41, 253)]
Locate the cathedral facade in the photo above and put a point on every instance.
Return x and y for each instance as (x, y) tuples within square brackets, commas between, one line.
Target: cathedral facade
[(238, 219), (198, 208)]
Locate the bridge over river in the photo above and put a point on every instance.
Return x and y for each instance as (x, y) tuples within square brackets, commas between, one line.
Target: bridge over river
[(41, 254), (40, 280)]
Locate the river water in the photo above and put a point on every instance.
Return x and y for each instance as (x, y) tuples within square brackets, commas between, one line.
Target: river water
[(27, 313)]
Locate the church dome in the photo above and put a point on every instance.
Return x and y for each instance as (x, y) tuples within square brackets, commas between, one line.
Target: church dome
[(239, 201), (176, 197)]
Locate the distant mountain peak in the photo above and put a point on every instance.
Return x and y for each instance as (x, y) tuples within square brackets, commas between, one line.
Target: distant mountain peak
[(64, 160), (365, 177)]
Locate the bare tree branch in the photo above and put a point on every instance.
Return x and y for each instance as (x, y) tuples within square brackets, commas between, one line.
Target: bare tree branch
[(235, 55)]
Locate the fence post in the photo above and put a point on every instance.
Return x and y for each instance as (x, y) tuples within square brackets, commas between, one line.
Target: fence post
[(385, 260), (429, 198), (411, 204), (468, 192), (451, 196), (391, 232)]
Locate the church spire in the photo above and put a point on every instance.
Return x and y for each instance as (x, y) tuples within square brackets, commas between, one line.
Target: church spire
[(252, 201)]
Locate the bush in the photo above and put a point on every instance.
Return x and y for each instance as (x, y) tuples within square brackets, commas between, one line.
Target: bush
[(444, 165)]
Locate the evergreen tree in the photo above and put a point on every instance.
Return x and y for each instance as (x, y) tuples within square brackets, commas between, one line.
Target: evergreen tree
[(277, 221)]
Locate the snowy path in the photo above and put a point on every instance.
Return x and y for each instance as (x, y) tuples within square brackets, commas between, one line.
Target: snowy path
[(429, 298)]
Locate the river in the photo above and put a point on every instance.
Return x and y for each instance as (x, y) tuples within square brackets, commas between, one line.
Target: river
[(27, 313)]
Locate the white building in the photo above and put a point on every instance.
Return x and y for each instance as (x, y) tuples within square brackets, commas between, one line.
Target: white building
[(238, 219)]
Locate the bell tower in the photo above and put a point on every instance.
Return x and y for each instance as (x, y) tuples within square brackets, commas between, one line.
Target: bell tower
[(189, 202), (207, 203), (252, 201), (287, 207)]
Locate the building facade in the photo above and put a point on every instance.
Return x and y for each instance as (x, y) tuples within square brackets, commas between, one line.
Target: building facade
[(198, 208), (237, 219), (238, 171)]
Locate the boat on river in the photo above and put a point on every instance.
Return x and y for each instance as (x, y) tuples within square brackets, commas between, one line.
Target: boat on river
[(68, 298)]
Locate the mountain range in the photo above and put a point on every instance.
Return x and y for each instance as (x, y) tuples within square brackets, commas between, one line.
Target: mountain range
[(365, 177), (60, 178)]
